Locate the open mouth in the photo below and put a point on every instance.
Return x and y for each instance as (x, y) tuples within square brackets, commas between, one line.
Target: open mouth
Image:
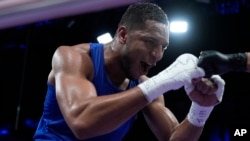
[(145, 66)]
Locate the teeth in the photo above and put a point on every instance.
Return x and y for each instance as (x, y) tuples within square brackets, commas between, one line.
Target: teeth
[(146, 66)]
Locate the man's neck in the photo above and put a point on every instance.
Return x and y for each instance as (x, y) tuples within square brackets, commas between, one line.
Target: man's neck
[(113, 65)]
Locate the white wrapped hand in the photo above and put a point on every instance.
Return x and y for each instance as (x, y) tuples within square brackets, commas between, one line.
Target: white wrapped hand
[(180, 72), (198, 114)]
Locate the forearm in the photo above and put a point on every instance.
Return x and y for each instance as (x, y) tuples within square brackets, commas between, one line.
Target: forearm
[(165, 126), (186, 132), (102, 114), (160, 119), (109, 112)]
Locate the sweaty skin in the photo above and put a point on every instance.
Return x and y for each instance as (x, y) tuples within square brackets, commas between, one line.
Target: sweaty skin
[(129, 56)]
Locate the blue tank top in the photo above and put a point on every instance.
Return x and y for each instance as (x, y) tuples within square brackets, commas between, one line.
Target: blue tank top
[(52, 125)]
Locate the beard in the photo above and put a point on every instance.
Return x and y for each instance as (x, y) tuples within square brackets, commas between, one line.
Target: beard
[(126, 67)]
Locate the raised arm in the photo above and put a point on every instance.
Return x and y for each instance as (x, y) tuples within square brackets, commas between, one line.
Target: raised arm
[(166, 127), (81, 106), (204, 94)]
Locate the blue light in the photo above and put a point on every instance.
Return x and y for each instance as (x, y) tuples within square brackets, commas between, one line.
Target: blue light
[(43, 23), (220, 134), (47, 22), (22, 46), (230, 7), (227, 135), (4, 132), (31, 123)]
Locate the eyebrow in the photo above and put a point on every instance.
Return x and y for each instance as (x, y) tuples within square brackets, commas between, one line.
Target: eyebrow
[(164, 45)]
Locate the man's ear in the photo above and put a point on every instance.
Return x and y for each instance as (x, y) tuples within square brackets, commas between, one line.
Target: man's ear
[(122, 34)]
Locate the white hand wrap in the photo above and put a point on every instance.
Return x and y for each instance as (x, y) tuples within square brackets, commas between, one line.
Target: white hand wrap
[(173, 77), (198, 115)]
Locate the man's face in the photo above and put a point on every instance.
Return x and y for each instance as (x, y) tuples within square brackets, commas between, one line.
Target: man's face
[(144, 48)]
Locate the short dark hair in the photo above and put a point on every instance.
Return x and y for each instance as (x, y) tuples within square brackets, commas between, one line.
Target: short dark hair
[(137, 14)]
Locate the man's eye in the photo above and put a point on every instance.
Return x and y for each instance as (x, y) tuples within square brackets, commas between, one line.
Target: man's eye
[(164, 48), (151, 43)]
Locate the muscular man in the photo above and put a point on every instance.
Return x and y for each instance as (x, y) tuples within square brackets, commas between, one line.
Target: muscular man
[(96, 90), (215, 62)]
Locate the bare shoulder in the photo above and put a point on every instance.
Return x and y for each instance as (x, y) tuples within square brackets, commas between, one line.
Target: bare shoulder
[(80, 49), (83, 48), (73, 60)]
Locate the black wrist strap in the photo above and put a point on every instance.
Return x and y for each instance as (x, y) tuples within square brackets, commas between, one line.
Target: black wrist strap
[(238, 62)]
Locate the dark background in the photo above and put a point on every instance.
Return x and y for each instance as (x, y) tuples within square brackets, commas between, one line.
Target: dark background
[(26, 51)]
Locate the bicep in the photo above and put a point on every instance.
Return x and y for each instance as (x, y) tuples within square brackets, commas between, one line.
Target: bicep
[(72, 94), (73, 89)]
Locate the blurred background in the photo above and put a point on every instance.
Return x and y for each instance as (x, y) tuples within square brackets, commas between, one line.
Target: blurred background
[(31, 30)]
